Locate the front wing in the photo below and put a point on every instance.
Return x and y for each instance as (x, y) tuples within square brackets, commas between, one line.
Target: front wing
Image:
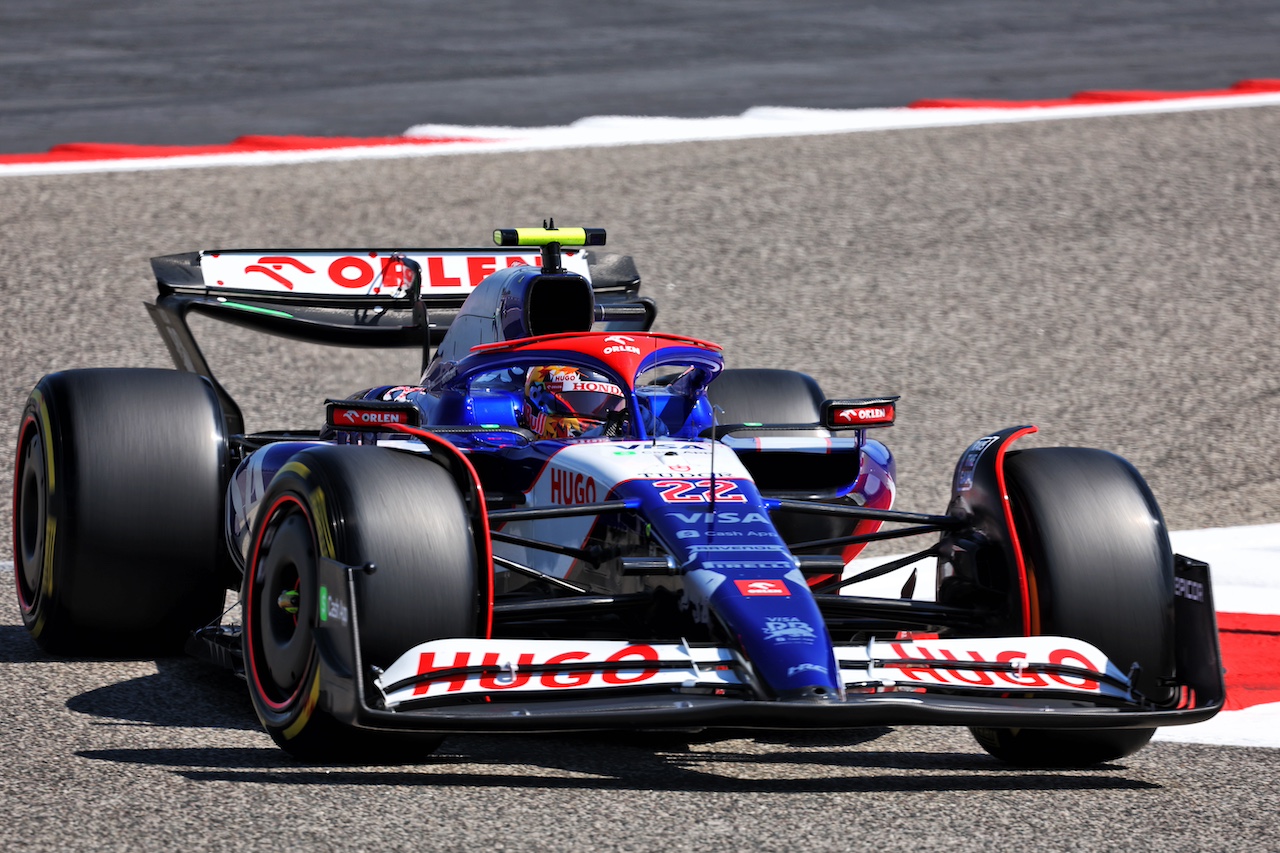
[(492, 685)]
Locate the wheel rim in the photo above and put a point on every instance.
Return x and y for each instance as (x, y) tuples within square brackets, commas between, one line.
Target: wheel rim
[(32, 516), (280, 643)]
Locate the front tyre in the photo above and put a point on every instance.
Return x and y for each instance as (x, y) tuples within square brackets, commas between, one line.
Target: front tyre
[(357, 505), (1061, 747), (1100, 569)]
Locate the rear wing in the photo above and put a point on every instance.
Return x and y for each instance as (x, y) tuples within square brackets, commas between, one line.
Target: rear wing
[(359, 297)]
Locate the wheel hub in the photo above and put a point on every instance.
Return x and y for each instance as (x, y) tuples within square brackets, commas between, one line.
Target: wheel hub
[(33, 514), (285, 603)]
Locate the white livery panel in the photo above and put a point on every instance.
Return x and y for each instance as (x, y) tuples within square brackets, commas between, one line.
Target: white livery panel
[(364, 272), (528, 666), (1001, 664), (587, 471), (1024, 665)]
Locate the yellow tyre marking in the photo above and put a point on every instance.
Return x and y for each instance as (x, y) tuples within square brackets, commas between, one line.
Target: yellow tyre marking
[(319, 509), (48, 434), (324, 531), (295, 467), (296, 727), (316, 501)]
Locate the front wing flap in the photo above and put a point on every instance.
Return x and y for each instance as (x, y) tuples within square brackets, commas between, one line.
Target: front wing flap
[(444, 671)]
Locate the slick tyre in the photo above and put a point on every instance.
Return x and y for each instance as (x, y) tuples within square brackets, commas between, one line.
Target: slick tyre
[(117, 511), (1100, 569), (772, 396), (356, 505), (766, 396)]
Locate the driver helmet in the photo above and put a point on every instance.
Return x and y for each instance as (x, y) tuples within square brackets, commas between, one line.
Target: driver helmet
[(567, 402)]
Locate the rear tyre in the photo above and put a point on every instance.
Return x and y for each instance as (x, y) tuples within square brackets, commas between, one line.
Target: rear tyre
[(356, 505), (766, 396), (772, 396), (1100, 569), (117, 510)]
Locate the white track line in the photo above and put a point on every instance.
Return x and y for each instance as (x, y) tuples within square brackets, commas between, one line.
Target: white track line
[(1244, 564), (792, 121), (605, 131)]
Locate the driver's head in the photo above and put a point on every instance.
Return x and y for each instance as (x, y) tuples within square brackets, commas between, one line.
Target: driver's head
[(566, 402)]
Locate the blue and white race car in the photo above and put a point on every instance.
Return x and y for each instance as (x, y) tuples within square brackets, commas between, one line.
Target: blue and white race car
[(573, 522)]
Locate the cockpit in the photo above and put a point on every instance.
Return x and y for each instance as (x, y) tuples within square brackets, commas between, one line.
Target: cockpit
[(561, 399)]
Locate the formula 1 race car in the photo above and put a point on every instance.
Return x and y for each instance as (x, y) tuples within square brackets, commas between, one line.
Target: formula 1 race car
[(572, 522)]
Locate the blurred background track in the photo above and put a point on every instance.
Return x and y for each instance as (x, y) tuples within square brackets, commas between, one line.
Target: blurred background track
[(196, 73)]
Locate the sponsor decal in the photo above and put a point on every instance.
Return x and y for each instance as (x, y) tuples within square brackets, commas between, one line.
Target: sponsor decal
[(699, 491), (766, 586), (371, 272), (858, 414), (332, 608), (726, 517), (516, 674), (620, 343), (579, 385), (873, 414), (362, 417), (720, 534), (348, 272), (400, 393), (427, 665), (571, 489), (930, 666), (964, 478), (272, 265), (439, 272), (668, 474), (964, 482), (369, 415), (742, 556), (455, 668), (788, 629), (806, 667), (1189, 589)]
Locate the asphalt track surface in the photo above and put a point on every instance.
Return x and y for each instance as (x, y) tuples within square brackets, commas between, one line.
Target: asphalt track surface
[(1111, 280), (193, 72)]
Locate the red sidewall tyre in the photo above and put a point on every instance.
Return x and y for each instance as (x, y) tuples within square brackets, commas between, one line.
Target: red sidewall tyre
[(401, 512), (1100, 569)]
